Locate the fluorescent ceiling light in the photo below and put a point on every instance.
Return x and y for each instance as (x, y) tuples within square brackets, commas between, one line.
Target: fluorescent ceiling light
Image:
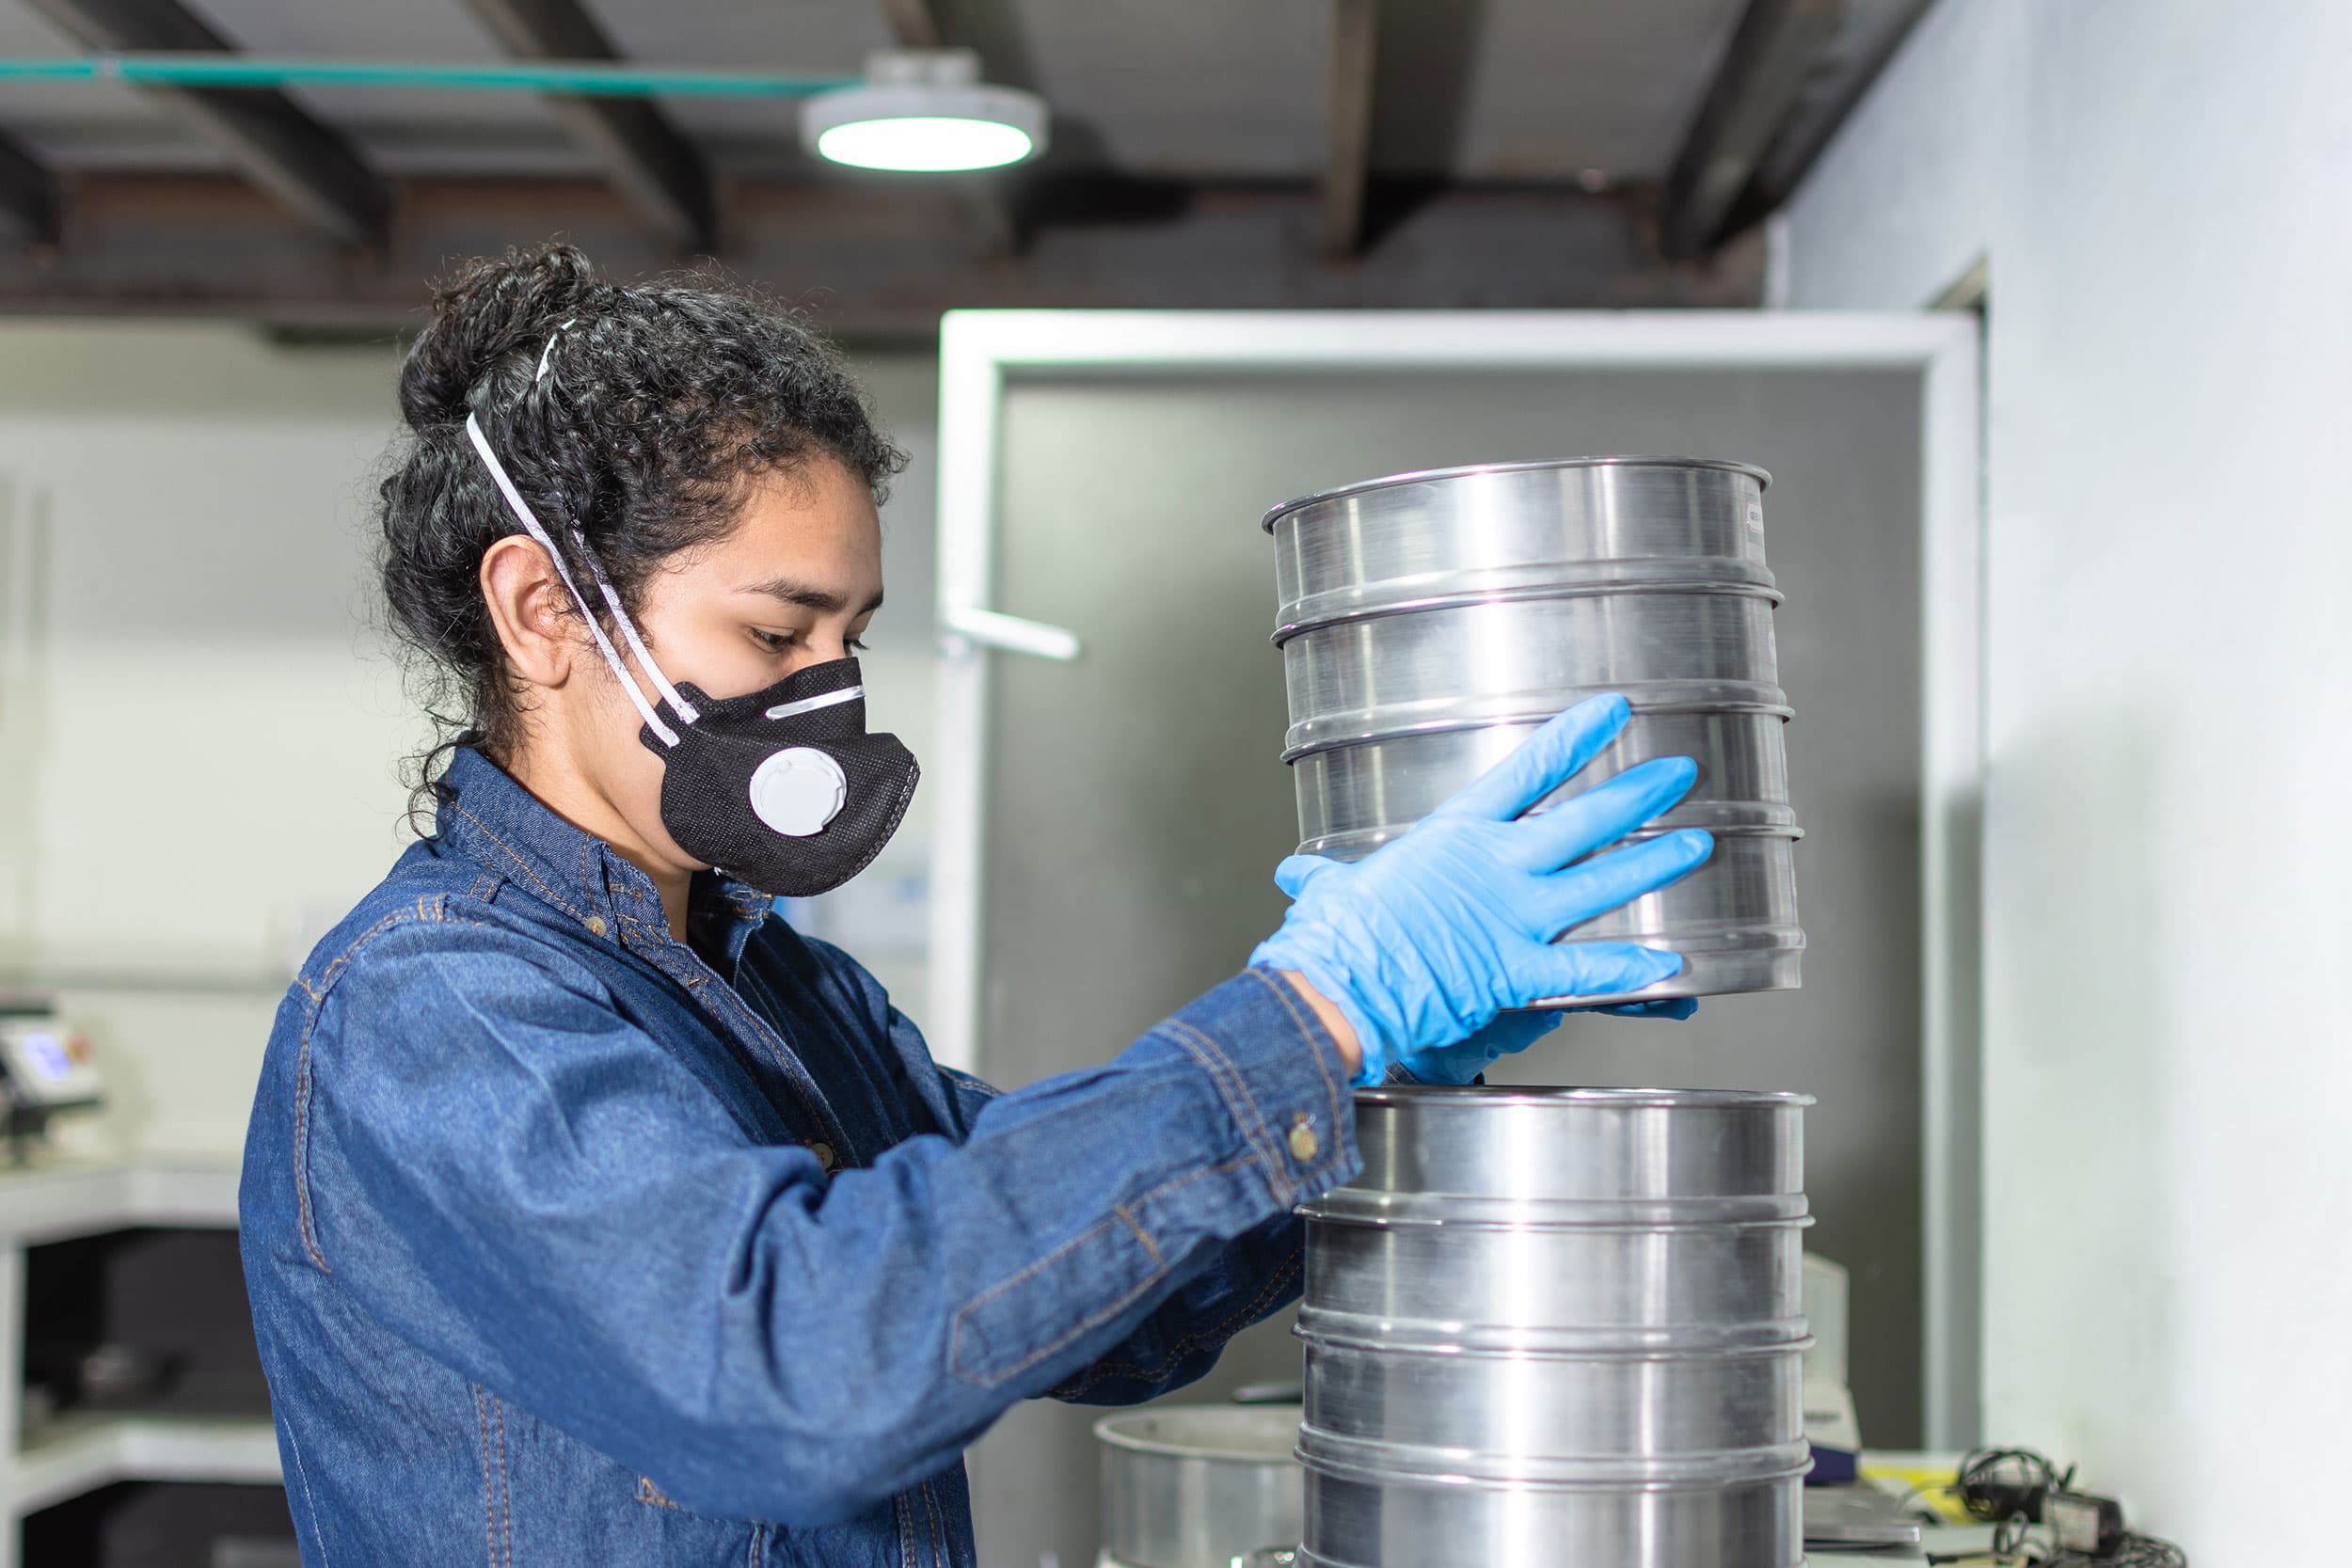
[(924, 109)]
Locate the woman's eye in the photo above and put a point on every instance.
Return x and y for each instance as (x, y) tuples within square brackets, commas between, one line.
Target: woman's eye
[(775, 641), (856, 646)]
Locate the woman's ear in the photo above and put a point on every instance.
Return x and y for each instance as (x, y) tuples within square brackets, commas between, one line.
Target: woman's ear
[(532, 609)]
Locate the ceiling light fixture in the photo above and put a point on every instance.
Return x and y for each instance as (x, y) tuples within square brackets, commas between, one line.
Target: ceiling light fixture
[(924, 109)]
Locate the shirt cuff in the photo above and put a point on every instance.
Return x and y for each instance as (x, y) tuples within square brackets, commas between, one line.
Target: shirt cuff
[(1281, 1079)]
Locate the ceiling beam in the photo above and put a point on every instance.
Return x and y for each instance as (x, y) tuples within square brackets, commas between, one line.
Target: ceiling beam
[(309, 167), (652, 162), (29, 199), (869, 261), (1347, 123), (1775, 51), (1867, 39)]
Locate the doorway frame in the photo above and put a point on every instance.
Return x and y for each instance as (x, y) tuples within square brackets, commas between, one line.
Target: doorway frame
[(982, 352)]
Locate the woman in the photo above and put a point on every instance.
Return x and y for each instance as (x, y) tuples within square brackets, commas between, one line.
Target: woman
[(592, 1215)]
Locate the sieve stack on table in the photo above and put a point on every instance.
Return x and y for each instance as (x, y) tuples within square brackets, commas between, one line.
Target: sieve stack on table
[(1558, 1326), (1555, 1325)]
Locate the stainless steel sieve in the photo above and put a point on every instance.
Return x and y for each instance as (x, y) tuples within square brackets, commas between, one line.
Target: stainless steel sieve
[(1558, 1326), (1194, 1486), (1429, 622)]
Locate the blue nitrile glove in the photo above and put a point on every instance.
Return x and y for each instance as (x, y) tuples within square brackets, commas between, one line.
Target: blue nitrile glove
[(1512, 1033), (1675, 1007), (1504, 1034), (1424, 941)]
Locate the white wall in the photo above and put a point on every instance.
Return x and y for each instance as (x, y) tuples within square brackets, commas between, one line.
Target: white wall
[(200, 735), (2160, 186)]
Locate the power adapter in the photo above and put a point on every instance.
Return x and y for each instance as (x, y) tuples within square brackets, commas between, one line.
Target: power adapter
[(2084, 1522)]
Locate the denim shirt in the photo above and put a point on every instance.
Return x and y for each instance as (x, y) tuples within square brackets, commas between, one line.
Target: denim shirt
[(569, 1242)]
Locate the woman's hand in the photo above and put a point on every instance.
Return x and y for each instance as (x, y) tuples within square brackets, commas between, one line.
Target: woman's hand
[(1418, 945), (1333, 1020)]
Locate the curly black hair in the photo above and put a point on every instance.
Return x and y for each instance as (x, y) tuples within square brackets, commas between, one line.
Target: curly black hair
[(665, 399)]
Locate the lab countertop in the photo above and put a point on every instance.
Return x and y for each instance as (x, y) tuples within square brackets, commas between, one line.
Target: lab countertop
[(56, 1196)]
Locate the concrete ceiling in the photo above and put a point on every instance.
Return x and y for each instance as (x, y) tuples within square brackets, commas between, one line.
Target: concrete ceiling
[(1202, 89), (1271, 152)]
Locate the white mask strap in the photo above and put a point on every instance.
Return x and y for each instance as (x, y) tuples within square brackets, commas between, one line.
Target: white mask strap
[(810, 704), (684, 709), (530, 524), (547, 352), (678, 704)]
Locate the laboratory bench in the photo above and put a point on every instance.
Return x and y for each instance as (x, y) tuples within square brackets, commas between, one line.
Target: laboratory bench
[(69, 1229)]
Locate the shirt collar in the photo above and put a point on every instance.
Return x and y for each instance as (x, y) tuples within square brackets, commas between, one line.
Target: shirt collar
[(495, 821)]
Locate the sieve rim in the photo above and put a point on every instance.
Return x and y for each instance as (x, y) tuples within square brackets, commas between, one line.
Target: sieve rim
[(1491, 1094), (1418, 476)]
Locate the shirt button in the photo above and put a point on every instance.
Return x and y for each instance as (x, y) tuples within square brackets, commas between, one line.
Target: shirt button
[(1305, 1145), (596, 926), (823, 1154)]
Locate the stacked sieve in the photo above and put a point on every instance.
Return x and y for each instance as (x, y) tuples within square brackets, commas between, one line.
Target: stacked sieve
[(1429, 622), (1555, 1325), (1558, 1326)]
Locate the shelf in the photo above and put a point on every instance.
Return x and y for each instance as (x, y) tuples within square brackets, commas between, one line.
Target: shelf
[(80, 1453), (50, 1201)]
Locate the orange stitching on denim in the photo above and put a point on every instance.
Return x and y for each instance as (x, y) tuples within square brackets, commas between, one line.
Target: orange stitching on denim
[(764, 1034), (939, 1543), (1078, 1330), (553, 896), (1244, 1107), (304, 1223), (963, 1314), (1276, 1284), (1142, 1235), (489, 1504), (652, 1496), (1238, 1104), (1034, 1267), (906, 1531), (1039, 1265), (689, 971), (506, 1504), (759, 1545), (1282, 994)]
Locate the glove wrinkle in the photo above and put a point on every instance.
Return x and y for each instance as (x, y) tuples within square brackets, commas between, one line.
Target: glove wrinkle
[(1421, 944)]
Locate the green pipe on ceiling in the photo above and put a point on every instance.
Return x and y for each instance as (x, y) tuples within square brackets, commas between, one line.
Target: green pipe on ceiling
[(585, 78)]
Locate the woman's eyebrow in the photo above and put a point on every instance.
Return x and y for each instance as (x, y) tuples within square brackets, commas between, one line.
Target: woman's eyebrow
[(824, 600)]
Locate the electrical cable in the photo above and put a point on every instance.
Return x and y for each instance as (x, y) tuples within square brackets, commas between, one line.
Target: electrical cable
[(2008, 1487), (1997, 1484), (2135, 1551)]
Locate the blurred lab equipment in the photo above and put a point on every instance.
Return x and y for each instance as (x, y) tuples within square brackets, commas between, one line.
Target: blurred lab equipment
[(1198, 1486), (1831, 1424), (1429, 622), (46, 1066)]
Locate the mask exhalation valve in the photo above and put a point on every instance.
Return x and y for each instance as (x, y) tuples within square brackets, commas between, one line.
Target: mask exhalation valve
[(798, 791)]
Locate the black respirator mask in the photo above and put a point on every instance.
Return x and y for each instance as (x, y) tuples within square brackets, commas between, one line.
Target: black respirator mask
[(781, 787)]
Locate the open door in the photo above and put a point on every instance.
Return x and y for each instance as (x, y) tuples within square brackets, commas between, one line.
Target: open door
[(1110, 813)]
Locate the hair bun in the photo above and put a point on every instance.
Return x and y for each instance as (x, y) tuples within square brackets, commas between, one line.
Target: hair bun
[(490, 310)]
